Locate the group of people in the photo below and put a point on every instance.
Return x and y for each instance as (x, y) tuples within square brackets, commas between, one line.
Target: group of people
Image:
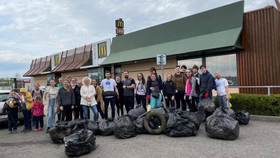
[(71, 98)]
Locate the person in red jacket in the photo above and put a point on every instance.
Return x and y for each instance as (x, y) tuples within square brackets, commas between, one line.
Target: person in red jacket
[(38, 113)]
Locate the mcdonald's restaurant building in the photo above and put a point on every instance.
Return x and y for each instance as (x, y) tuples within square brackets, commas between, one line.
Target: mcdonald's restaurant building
[(245, 47)]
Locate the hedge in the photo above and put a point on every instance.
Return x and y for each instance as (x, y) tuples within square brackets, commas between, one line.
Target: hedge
[(256, 104)]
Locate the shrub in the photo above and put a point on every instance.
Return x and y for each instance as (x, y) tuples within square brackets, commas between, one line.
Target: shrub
[(256, 104)]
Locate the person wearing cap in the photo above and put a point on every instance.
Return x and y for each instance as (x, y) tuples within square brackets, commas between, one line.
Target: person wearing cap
[(26, 109)]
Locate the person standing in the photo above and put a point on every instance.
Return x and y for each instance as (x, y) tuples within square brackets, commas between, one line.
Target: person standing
[(169, 90), (12, 109), (140, 91), (74, 86), (153, 71), (60, 82), (190, 90), (197, 86), (26, 109), (119, 102), (50, 101), (128, 92), (154, 91), (206, 83), (36, 92), (184, 69), (110, 89), (38, 113), (222, 90), (78, 107), (180, 83), (66, 101), (88, 93), (99, 99)]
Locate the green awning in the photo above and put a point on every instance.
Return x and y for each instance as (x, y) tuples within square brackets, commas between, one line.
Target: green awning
[(214, 29)]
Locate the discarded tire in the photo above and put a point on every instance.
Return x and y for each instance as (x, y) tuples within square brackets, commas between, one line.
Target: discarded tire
[(154, 122)]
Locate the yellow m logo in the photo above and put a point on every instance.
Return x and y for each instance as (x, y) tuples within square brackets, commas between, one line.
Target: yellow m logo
[(119, 24), (56, 60), (102, 50)]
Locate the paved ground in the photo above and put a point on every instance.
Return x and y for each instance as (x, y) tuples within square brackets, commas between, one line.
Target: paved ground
[(257, 140)]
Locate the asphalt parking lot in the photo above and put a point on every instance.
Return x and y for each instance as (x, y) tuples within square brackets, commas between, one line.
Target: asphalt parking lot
[(257, 140)]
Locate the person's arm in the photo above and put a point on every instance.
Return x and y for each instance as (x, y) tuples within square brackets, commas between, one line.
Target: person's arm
[(82, 93), (227, 89), (59, 98), (184, 79), (33, 105), (99, 94), (193, 81), (132, 84), (148, 88), (209, 84), (29, 99)]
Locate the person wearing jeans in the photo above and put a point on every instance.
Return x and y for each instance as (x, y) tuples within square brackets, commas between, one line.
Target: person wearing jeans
[(109, 87), (88, 93), (140, 90), (99, 99), (66, 101), (50, 103), (222, 90), (26, 109), (128, 91), (12, 110), (169, 90), (154, 87), (180, 83), (191, 90)]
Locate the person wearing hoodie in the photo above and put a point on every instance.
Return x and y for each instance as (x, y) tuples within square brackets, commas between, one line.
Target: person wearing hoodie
[(66, 101), (88, 93), (206, 83), (50, 101), (180, 83), (26, 109), (38, 113), (190, 90), (169, 90), (11, 107)]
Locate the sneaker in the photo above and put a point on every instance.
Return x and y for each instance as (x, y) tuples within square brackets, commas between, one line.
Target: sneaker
[(35, 130), (41, 129), (15, 131)]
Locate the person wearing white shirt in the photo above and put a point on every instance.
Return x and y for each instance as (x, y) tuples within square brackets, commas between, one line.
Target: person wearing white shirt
[(88, 98), (222, 90)]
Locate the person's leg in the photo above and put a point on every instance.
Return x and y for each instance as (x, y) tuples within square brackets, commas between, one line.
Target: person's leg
[(177, 98), (193, 104), (224, 101), (29, 119), (184, 103), (24, 112), (112, 103), (144, 102), (95, 112), (81, 111), (210, 95), (158, 100), (77, 112), (10, 121), (189, 103), (126, 103), (36, 119), (88, 112), (85, 111), (172, 101), (69, 114), (15, 118), (59, 115), (63, 114), (131, 102), (51, 114), (138, 99), (121, 105), (118, 106), (152, 102), (220, 101), (106, 102)]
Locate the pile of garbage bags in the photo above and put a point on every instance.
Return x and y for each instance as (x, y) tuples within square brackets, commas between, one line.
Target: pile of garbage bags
[(243, 117), (222, 125)]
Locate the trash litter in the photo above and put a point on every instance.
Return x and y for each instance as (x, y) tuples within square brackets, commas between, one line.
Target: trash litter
[(207, 106), (59, 130), (106, 127), (179, 127), (124, 127), (222, 127), (194, 117), (154, 122), (243, 117), (93, 126), (139, 123), (225, 111), (79, 121), (80, 143), (135, 113)]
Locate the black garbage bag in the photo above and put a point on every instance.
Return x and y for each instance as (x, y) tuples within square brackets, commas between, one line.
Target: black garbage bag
[(222, 127), (59, 130), (163, 111), (93, 126), (179, 127), (124, 127), (195, 117), (225, 111), (80, 143), (207, 106), (106, 127), (135, 113), (139, 123), (243, 117), (78, 121)]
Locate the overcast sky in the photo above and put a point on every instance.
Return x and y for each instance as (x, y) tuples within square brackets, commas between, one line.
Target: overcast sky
[(35, 28)]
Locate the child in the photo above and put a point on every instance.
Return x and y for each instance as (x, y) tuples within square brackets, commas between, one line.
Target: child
[(38, 113)]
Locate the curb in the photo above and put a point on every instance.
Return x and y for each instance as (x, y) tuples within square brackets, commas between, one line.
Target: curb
[(265, 118)]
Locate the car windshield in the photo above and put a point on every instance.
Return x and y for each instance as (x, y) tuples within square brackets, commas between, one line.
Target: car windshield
[(4, 97)]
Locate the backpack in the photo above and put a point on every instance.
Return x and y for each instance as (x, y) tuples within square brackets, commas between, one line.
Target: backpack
[(41, 92), (213, 82)]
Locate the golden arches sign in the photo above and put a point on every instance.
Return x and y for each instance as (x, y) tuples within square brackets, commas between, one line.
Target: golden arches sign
[(56, 60), (102, 50)]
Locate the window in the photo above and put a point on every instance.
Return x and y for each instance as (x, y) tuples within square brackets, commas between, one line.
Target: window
[(56, 59), (118, 71), (226, 64)]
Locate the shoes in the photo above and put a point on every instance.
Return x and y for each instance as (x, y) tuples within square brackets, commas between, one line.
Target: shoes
[(35, 130), (48, 130), (41, 129), (15, 131), (24, 130), (27, 130)]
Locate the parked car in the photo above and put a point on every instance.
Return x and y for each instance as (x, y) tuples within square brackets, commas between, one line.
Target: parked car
[(4, 96)]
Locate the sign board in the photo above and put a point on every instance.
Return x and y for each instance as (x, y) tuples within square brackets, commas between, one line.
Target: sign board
[(119, 31), (161, 59), (119, 23), (102, 50)]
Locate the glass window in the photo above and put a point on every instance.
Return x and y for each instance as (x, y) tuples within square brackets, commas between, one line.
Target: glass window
[(190, 62), (226, 64), (118, 71)]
